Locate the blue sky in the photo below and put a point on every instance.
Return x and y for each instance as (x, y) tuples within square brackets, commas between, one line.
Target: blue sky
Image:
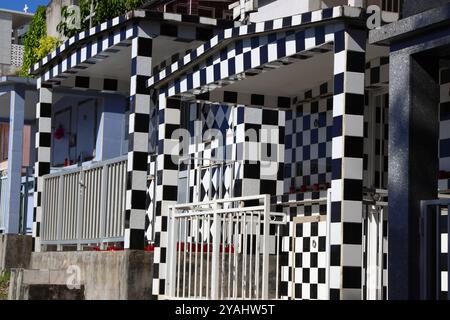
[(19, 4)]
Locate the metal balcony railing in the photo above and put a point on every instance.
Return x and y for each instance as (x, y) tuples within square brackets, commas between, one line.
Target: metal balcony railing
[(85, 206)]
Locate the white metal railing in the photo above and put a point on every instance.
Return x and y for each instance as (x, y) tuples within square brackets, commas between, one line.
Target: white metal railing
[(3, 200), (85, 205), (221, 249), (375, 242), (17, 52)]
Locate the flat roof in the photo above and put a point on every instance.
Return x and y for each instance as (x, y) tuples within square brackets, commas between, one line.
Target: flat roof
[(19, 18), (8, 80)]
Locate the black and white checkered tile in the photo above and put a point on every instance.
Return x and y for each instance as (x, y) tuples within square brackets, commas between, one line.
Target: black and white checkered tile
[(310, 260), (209, 177), (255, 179), (444, 130), (348, 122), (247, 99), (169, 119), (73, 60), (377, 73), (42, 164), (254, 160), (86, 83), (251, 56), (308, 139), (231, 34), (303, 250), (138, 141), (113, 31), (258, 158), (347, 165)]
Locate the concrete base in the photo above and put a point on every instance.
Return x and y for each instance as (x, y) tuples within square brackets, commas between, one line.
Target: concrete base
[(15, 251), (41, 285), (122, 275)]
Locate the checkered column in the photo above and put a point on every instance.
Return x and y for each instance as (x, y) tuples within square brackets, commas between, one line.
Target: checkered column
[(139, 119), (169, 117), (347, 165), (42, 165)]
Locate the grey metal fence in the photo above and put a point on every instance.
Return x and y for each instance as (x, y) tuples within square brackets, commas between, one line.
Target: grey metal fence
[(85, 206)]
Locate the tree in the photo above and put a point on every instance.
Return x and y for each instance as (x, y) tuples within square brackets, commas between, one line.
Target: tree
[(104, 10), (37, 31)]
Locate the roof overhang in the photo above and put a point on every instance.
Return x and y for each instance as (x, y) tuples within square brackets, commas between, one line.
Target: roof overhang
[(18, 18), (11, 81), (301, 21), (120, 23)]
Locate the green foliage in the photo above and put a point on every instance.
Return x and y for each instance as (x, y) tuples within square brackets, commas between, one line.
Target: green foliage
[(63, 27), (104, 10), (4, 283), (38, 30), (46, 45)]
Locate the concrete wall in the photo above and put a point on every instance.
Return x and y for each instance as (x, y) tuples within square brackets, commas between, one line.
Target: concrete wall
[(412, 7), (122, 275), (41, 285), (272, 9), (5, 36), (54, 15), (15, 251)]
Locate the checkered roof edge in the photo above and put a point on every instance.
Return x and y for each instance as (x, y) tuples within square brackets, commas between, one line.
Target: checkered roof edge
[(222, 38), (77, 40)]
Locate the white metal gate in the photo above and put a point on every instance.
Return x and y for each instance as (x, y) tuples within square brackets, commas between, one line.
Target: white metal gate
[(224, 249), (375, 246)]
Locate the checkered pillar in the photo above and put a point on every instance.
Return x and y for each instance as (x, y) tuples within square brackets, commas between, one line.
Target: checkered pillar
[(347, 165), (42, 165), (169, 117), (140, 101)]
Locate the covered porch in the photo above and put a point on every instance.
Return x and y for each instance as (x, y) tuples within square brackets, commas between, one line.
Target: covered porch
[(287, 101), (85, 177)]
